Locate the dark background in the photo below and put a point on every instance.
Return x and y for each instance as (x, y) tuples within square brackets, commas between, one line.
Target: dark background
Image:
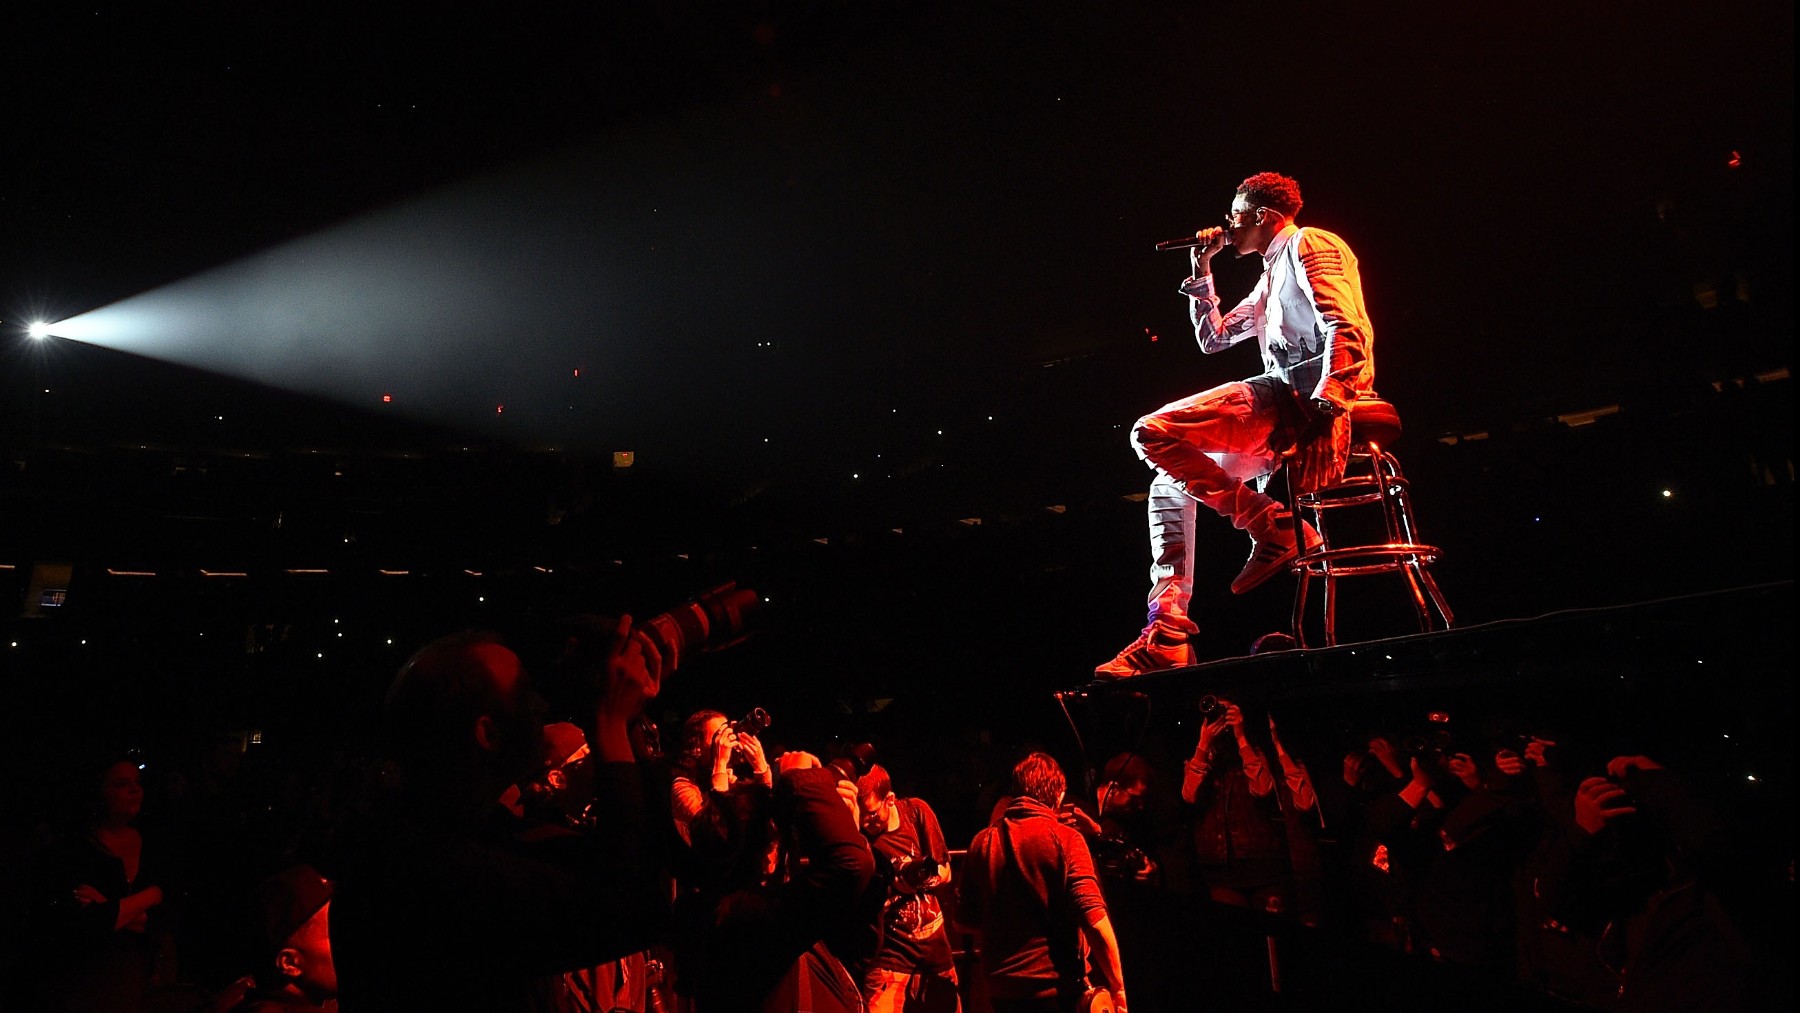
[(885, 310), (867, 290)]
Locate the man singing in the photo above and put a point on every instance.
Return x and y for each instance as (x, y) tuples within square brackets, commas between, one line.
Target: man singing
[(1306, 314)]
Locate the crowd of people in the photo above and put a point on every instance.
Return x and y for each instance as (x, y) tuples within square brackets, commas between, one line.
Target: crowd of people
[(488, 861)]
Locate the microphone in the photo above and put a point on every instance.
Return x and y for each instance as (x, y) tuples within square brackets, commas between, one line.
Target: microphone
[(1205, 237)]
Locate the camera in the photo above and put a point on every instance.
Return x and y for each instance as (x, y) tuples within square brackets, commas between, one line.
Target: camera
[(1115, 857), (1211, 708), (709, 621), (754, 723), (852, 762)]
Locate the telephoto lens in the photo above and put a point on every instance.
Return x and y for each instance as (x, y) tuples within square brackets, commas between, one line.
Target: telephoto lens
[(710, 621), (754, 723)]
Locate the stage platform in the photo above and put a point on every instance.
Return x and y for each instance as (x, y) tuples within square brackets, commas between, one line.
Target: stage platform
[(1744, 634)]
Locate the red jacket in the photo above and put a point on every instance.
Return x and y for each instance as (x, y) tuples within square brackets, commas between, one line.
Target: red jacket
[(1030, 887)]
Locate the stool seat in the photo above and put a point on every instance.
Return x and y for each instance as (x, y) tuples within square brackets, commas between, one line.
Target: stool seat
[(1373, 420)]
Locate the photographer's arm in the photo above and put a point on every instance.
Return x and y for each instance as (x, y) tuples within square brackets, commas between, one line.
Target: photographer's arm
[(1194, 771)]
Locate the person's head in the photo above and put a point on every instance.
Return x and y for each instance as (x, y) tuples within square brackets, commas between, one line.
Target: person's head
[(876, 805), (1039, 776), (1263, 205), (119, 792), (1124, 785), (460, 715), (697, 734), (296, 912)]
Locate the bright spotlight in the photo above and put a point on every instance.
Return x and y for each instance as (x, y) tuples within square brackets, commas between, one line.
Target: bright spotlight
[(38, 329)]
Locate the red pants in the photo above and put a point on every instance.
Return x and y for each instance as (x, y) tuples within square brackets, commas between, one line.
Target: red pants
[(1204, 449)]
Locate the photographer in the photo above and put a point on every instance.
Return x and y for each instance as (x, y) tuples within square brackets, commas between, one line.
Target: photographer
[(913, 967), (1240, 831), (782, 943), (715, 760), (444, 899), (1635, 871)]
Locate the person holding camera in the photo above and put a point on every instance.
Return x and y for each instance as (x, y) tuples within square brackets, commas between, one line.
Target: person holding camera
[(719, 801), (785, 941), (1244, 842), (913, 969), (1030, 891), (444, 899)]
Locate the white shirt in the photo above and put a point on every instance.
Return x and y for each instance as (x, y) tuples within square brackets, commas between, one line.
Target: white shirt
[(1306, 313)]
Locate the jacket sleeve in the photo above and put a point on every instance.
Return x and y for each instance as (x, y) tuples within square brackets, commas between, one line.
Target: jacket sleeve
[(1214, 331), (1329, 274)]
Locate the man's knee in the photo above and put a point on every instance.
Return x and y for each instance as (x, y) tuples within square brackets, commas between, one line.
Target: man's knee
[(1150, 432)]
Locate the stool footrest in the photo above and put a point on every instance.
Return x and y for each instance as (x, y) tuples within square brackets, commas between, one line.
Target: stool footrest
[(1384, 559)]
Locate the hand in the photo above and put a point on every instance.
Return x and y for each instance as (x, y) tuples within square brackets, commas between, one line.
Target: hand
[(1073, 816), (1383, 750), (1200, 257), (1209, 731), (724, 743), (1619, 766), (796, 761), (633, 673), (753, 752), (1598, 802), (1420, 776), (1538, 751), (85, 895), (1463, 766), (1509, 763), (1355, 764), (1118, 998), (1275, 738), (1235, 718), (847, 792)]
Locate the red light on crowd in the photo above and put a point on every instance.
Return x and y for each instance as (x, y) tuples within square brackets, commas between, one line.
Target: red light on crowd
[(1736, 160)]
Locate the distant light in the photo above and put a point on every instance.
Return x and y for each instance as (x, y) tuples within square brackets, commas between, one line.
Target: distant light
[(483, 598), (38, 330), (1749, 777), (499, 409), (1736, 161), (1668, 493), (321, 654), (387, 399), (578, 373)]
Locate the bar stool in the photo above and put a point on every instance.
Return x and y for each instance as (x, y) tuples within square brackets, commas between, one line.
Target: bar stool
[(1373, 477)]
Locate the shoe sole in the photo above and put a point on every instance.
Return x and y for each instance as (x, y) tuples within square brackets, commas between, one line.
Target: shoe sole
[(1269, 571)]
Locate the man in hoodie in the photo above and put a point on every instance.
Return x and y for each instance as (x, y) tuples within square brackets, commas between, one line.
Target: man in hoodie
[(1031, 893)]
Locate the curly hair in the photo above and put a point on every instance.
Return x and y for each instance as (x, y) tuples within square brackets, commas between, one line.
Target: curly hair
[(1272, 190), (1039, 776)]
